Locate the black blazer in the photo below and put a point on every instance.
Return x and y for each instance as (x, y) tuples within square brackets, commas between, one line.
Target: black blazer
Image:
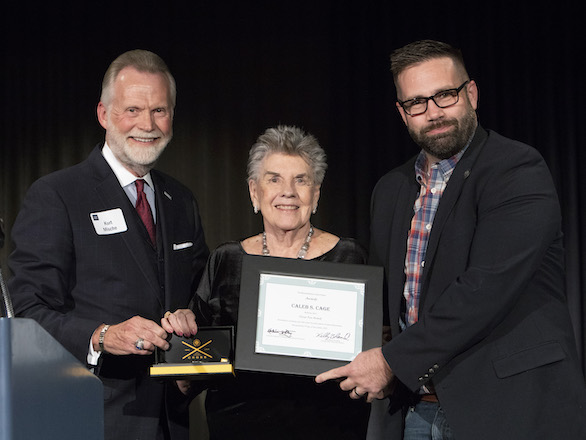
[(494, 332), (71, 279)]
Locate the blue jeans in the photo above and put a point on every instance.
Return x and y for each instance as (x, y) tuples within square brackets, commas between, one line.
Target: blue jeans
[(426, 421)]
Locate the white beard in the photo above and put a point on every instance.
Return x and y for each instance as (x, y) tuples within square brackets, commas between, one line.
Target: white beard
[(138, 158)]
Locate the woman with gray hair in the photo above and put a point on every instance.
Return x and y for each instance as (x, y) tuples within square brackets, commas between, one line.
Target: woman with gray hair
[(286, 168)]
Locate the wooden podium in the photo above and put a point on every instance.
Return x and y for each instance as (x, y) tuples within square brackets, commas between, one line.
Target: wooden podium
[(45, 392)]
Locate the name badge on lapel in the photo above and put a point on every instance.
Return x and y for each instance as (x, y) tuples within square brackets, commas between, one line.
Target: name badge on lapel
[(109, 222)]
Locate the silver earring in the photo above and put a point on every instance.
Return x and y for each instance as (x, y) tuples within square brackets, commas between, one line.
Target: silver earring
[(255, 209), (314, 210)]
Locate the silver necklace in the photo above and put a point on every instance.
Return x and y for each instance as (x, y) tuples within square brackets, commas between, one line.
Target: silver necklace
[(302, 252)]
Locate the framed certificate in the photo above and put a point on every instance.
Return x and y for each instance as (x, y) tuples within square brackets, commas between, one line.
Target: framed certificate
[(305, 317)]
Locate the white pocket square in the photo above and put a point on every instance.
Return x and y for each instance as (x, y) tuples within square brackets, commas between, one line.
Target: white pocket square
[(179, 246)]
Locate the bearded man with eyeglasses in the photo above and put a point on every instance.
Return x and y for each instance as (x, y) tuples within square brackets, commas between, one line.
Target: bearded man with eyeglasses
[(469, 234)]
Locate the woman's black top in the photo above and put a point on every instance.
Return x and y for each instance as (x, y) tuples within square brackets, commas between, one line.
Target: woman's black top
[(265, 405)]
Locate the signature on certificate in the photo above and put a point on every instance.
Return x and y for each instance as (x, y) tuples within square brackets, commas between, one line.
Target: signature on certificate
[(285, 333), (331, 336)]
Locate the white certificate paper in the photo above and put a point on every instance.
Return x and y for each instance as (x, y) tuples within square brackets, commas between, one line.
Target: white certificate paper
[(309, 317)]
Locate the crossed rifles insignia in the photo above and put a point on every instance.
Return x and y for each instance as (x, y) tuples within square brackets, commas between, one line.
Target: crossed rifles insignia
[(195, 348)]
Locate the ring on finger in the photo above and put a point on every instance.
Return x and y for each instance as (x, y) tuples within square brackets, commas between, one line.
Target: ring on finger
[(359, 395), (167, 314), (139, 344)]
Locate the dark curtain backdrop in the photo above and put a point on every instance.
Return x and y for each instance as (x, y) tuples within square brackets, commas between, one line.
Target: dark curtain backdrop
[(242, 66)]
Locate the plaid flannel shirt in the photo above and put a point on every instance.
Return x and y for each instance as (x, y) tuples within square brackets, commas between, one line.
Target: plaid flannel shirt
[(432, 188)]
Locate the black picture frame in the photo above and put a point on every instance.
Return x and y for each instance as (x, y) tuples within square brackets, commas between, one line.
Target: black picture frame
[(253, 266)]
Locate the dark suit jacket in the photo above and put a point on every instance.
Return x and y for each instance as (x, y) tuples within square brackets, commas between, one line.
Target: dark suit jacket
[(71, 280), (494, 333)]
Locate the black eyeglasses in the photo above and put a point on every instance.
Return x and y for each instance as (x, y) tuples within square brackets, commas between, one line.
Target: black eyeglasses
[(443, 99)]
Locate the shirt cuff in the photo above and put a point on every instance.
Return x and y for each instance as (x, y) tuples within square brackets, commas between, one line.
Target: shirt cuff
[(93, 356)]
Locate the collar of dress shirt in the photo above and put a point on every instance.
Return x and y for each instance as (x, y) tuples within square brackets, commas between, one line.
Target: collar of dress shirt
[(124, 176), (446, 166)]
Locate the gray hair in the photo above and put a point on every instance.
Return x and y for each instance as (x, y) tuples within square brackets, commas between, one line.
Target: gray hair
[(143, 61), (288, 140), (424, 50)]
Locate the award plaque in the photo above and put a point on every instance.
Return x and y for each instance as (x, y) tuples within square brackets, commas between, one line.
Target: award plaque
[(209, 353), (305, 317)]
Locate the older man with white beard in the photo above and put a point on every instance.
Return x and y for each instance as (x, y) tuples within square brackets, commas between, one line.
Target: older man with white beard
[(108, 252)]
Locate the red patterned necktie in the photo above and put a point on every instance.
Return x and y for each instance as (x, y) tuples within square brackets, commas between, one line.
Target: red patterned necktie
[(144, 210)]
